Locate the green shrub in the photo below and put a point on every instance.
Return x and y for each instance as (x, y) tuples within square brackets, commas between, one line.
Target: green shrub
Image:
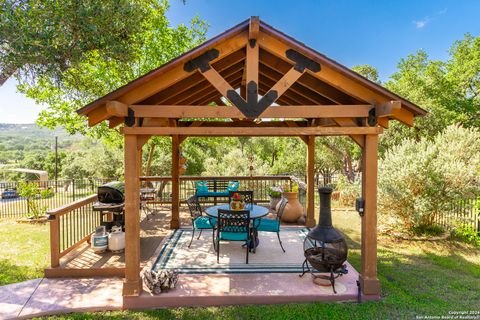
[(349, 191), (34, 195), (467, 233), (418, 180)]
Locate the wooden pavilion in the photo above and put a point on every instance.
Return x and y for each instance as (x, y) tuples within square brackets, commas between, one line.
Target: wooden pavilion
[(251, 80)]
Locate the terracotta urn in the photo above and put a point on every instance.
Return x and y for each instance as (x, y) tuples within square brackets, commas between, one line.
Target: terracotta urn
[(293, 209)]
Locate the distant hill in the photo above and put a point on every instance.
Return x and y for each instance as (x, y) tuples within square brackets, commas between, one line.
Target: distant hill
[(31, 129), (17, 139)]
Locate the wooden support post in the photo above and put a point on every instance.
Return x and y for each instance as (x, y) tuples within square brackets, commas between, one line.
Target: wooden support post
[(368, 276), (140, 161), (132, 285), (175, 221), (310, 221), (55, 242)]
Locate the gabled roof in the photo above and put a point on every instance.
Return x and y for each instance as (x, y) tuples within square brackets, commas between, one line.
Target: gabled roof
[(172, 84)]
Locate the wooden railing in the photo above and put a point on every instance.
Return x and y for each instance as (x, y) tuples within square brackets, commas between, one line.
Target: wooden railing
[(259, 185), (70, 226), (73, 224)]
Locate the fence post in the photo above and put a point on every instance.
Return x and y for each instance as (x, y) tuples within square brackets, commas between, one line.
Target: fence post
[(54, 242), (73, 189)]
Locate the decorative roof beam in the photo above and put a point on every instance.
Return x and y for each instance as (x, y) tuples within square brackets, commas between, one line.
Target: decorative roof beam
[(313, 111), (252, 131)]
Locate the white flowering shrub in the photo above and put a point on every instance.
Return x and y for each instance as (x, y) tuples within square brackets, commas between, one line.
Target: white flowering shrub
[(418, 180)]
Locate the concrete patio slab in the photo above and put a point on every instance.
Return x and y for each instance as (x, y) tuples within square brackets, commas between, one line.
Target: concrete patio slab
[(256, 288), (54, 296), (14, 296)]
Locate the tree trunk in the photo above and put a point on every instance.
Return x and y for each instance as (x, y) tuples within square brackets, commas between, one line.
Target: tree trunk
[(150, 158), (6, 73)]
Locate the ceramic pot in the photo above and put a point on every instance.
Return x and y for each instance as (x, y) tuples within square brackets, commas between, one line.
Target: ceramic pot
[(293, 210), (274, 202)]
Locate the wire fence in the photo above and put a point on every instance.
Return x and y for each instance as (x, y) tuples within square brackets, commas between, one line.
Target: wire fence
[(63, 192)]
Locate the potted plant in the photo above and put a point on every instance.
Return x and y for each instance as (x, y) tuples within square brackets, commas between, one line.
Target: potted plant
[(236, 203), (275, 194), (293, 210)]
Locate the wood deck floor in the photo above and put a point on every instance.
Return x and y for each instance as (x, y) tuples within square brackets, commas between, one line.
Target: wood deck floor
[(152, 231)]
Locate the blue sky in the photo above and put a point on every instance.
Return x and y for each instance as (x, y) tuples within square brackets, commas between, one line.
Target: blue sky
[(379, 33)]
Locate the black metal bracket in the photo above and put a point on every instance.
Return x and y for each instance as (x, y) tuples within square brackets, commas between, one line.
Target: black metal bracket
[(252, 43), (360, 206), (253, 107), (201, 62), (130, 119), (359, 292), (302, 62), (372, 119)]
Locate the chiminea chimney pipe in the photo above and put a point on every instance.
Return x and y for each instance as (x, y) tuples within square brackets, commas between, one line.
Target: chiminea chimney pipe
[(325, 206), (324, 231)]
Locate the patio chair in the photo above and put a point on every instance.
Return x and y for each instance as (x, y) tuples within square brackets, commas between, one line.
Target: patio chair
[(199, 221), (232, 225), (273, 225), (246, 195)]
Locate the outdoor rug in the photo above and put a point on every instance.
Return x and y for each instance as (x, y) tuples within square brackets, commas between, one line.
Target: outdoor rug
[(202, 258)]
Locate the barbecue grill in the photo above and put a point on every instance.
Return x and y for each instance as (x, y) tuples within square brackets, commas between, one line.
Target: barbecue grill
[(111, 204)]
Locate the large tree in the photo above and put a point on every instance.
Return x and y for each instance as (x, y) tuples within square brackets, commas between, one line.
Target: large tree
[(126, 53), (449, 90), (47, 37)]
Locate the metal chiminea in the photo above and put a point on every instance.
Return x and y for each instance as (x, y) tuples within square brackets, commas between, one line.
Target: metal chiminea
[(325, 247)]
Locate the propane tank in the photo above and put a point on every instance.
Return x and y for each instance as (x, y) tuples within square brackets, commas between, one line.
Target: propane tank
[(99, 240), (116, 239)]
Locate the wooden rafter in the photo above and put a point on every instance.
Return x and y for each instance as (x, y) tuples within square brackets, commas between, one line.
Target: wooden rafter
[(189, 84), (279, 65), (225, 48), (269, 76), (289, 94), (205, 89), (336, 79)]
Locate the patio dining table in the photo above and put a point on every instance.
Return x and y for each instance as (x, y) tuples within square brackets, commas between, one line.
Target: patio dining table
[(256, 212)]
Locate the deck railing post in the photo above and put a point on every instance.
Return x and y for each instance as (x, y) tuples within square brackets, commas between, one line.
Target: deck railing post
[(54, 242), (73, 189)]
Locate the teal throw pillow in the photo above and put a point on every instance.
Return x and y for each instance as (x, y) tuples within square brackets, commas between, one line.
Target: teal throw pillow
[(232, 186)]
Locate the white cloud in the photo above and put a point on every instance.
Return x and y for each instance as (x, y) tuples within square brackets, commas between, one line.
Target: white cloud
[(422, 23), (419, 24)]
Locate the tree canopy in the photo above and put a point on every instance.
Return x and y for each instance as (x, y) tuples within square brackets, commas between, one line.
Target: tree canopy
[(47, 37), (126, 53)]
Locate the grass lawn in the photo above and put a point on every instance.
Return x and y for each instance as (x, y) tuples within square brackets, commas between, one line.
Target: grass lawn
[(419, 278), (25, 251)]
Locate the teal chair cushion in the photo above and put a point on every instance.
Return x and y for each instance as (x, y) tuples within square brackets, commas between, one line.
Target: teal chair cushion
[(233, 236), (201, 186), (211, 194), (204, 223), (232, 186), (268, 225)]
